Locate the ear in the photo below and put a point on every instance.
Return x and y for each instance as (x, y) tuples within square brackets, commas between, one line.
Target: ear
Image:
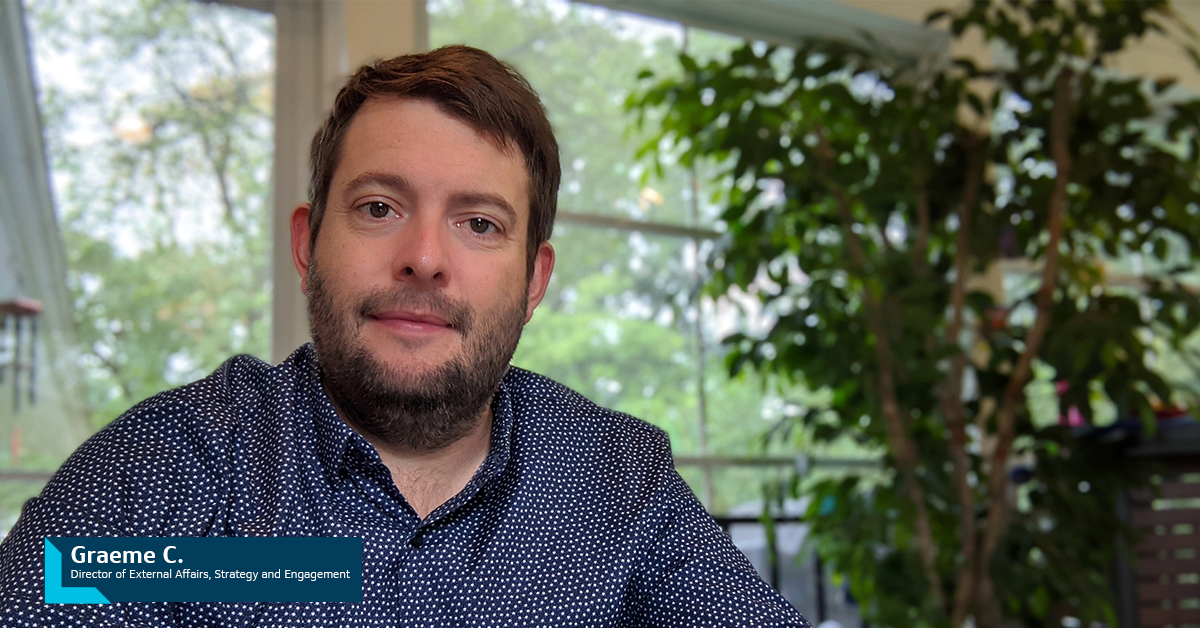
[(301, 243), (543, 265)]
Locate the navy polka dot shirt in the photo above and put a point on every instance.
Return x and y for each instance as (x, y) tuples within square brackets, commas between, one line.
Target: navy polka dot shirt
[(576, 518)]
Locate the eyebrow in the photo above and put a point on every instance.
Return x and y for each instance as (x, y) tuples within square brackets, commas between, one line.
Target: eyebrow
[(398, 183), (392, 181)]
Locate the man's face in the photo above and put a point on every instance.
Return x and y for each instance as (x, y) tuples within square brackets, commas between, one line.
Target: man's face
[(417, 283)]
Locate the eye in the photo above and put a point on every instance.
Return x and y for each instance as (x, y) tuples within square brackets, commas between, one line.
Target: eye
[(481, 226), (376, 209)]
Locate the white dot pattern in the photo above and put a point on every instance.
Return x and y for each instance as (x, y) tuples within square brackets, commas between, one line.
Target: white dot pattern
[(576, 518)]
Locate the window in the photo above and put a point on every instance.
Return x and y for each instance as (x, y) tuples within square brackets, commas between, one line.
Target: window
[(623, 322), (158, 125)]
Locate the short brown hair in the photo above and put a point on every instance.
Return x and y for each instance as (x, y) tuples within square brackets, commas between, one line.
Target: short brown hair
[(470, 85)]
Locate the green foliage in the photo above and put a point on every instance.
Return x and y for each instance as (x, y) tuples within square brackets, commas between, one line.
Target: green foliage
[(158, 124), (862, 190)]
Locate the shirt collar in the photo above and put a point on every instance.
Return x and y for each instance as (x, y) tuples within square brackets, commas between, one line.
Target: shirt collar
[(332, 434), (334, 437)]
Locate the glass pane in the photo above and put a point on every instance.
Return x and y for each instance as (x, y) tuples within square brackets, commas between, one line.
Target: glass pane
[(610, 327), (583, 61), (158, 121)]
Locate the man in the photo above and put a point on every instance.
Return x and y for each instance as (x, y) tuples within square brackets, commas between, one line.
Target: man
[(484, 495)]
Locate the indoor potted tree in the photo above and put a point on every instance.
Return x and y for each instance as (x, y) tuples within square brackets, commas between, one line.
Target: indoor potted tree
[(865, 193)]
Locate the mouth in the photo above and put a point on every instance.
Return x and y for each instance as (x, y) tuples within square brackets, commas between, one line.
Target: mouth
[(412, 317), (413, 322), (411, 313)]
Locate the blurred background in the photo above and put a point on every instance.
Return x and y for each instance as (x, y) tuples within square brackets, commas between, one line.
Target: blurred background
[(742, 180)]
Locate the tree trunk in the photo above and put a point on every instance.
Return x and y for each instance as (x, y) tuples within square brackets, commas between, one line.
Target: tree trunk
[(998, 481)]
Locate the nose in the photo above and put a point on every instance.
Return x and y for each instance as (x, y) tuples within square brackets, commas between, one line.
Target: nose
[(422, 251)]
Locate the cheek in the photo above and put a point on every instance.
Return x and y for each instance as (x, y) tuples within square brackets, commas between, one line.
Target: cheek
[(349, 266), (500, 279)]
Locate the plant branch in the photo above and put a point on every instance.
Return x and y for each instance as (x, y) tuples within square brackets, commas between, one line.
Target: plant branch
[(218, 157), (903, 447), (113, 368), (951, 394), (920, 250), (998, 482)]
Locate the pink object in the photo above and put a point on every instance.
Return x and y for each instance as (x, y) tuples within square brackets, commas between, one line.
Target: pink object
[(1074, 417)]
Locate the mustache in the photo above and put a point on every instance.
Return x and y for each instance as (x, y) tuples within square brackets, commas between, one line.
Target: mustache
[(456, 314)]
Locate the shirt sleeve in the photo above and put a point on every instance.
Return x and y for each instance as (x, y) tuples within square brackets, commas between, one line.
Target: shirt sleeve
[(139, 476), (693, 575), (22, 575)]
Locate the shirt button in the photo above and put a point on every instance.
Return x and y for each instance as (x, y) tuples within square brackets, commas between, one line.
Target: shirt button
[(417, 540)]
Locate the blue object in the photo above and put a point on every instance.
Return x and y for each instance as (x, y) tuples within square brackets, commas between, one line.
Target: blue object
[(205, 569)]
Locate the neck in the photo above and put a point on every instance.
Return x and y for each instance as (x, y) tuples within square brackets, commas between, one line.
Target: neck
[(428, 478)]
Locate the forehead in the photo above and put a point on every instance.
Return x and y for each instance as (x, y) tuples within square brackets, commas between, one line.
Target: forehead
[(419, 139)]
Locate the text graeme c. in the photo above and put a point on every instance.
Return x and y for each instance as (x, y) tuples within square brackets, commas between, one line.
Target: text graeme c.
[(110, 569)]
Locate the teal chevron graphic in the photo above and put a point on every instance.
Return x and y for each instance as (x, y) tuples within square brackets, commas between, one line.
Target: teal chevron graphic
[(56, 593)]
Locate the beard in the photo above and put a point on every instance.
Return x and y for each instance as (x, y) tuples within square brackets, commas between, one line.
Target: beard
[(424, 410)]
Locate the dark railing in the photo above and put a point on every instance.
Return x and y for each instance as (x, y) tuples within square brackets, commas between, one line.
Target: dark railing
[(821, 605), (772, 575), (33, 477), (798, 575)]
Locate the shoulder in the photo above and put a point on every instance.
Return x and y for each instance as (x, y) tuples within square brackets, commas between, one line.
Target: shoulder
[(548, 415), (191, 416), (168, 449)]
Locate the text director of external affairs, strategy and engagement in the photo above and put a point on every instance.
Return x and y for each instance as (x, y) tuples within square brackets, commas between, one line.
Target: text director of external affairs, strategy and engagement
[(484, 495)]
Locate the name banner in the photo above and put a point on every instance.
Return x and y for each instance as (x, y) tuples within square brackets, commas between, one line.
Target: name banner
[(103, 570)]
